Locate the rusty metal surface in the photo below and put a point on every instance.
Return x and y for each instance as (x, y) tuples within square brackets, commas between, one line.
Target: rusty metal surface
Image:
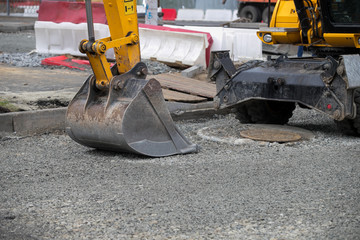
[(352, 68), (271, 135), (238, 133)]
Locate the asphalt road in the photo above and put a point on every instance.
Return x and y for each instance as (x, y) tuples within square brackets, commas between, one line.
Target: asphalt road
[(54, 188), (23, 41)]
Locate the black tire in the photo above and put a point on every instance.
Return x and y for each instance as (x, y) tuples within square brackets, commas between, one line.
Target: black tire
[(250, 12), (265, 112), (242, 115), (265, 14), (351, 126)]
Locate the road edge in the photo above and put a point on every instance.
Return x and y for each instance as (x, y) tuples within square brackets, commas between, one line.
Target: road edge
[(50, 120)]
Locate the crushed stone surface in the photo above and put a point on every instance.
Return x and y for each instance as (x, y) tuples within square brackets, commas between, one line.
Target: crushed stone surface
[(54, 188)]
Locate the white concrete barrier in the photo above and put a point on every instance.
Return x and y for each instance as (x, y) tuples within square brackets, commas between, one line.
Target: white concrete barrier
[(184, 48), (64, 38), (218, 15), (190, 15), (235, 15), (167, 46), (242, 43)]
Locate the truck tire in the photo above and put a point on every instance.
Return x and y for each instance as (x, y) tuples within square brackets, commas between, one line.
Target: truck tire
[(265, 14), (250, 12), (265, 112), (351, 126)]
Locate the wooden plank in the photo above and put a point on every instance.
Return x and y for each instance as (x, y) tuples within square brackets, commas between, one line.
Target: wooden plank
[(174, 96), (187, 85)]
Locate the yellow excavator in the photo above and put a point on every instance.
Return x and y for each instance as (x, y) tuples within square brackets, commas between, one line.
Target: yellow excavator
[(117, 108), (328, 80)]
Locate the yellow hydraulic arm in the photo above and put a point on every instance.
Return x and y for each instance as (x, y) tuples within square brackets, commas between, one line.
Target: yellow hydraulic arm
[(124, 38), (118, 108)]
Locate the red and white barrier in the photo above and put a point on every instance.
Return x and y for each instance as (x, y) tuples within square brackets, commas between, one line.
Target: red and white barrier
[(243, 44), (175, 45), (62, 25), (71, 12), (64, 38)]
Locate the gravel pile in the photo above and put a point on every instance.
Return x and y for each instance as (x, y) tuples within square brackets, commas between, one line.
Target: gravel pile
[(33, 59), (158, 67)]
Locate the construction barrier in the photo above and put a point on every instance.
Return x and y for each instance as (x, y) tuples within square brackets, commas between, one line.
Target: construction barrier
[(169, 14), (242, 43), (71, 12), (221, 15), (174, 45), (182, 47), (190, 15), (63, 38), (218, 15), (61, 34), (62, 25)]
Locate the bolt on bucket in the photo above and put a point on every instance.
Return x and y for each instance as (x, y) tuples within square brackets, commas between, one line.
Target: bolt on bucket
[(129, 116)]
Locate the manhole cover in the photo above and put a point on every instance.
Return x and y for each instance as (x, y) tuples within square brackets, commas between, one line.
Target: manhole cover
[(270, 135), (246, 133)]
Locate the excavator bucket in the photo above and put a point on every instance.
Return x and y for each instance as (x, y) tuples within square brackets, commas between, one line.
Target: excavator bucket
[(129, 116)]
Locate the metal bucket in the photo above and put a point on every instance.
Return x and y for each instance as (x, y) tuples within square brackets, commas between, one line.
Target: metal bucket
[(129, 116)]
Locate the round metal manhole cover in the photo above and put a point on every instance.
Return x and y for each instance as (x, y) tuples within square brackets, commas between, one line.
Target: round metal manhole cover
[(239, 134), (271, 135)]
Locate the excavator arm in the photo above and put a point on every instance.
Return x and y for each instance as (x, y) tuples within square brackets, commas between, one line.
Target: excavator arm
[(123, 26), (117, 108)]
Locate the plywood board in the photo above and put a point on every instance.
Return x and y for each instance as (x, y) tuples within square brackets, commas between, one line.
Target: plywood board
[(187, 85), (174, 96)]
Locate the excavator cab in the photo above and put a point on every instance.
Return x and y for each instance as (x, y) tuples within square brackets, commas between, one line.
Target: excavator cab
[(117, 108)]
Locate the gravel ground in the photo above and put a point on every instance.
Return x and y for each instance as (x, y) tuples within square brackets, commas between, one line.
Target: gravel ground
[(53, 188)]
